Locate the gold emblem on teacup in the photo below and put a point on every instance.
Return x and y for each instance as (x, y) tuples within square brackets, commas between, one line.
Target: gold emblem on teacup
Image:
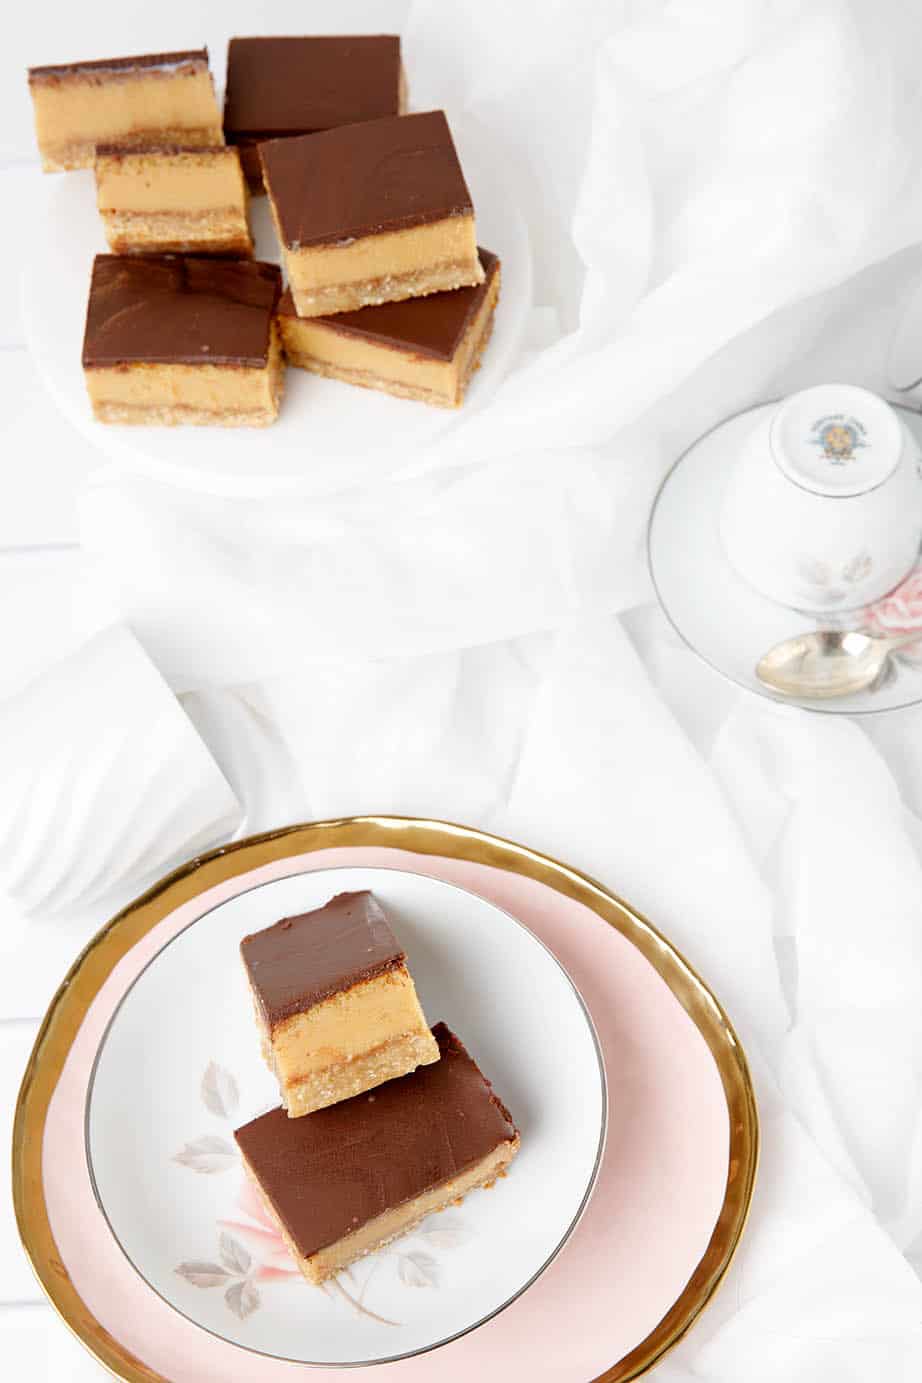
[(838, 437)]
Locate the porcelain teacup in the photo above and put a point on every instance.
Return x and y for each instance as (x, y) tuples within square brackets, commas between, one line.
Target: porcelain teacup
[(823, 511)]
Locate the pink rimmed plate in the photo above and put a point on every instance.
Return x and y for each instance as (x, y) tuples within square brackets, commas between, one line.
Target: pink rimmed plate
[(672, 1193)]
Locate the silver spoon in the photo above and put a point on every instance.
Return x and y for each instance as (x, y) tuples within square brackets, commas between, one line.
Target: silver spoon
[(829, 662)]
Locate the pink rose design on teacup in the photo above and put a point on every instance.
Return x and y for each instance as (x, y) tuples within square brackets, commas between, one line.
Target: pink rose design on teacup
[(898, 613), (901, 610)]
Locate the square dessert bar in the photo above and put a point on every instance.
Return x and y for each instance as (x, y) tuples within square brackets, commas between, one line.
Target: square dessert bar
[(277, 87), (183, 339), (178, 198), (421, 348), (371, 213), (352, 1178), (157, 99), (335, 1004)]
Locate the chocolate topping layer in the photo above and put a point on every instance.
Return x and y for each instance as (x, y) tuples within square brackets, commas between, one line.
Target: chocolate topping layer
[(179, 309), (286, 86), (433, 326), (359, 180), (197, 57), (302, 960), (338, 1168)]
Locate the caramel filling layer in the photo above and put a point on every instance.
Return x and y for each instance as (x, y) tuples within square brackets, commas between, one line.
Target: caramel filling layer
[(188, 183), (166, 394), (348, 1025), (384, 268), (75, 113)]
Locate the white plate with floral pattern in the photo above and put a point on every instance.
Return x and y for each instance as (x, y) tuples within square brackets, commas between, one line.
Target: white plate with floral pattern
[(179, 1068), (725, 620)]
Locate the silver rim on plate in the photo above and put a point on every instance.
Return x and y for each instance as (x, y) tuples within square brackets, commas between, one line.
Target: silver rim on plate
[(447, 1339)]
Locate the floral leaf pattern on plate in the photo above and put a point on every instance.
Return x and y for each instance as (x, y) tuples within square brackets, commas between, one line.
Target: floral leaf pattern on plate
[(418, 1270), (233, 1274), (207, 1155), (242, 1298), (203, 1274), (251, 1249), (233, 1255), (335, 1285), (443, 1232), (220, 1092)]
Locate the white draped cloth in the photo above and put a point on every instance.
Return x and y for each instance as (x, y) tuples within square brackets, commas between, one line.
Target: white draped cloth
[(723, 203)]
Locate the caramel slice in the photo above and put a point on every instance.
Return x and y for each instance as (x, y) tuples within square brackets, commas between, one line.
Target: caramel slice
[(422, 348), (335, 1004), (351, 1178), (160, 98), (183, 339), (371, 213), (173, 199), (278, 87)]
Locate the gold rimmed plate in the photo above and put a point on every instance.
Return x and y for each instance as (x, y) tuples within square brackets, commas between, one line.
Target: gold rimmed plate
[(673, 1187)]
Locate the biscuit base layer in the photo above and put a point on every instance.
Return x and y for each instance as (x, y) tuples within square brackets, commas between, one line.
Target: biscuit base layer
[(201, 395), (181, 415), (388, 288), (392, 1223), (350, 1042), (346, 1079), (317, 346), (128, 106), (220, 232)]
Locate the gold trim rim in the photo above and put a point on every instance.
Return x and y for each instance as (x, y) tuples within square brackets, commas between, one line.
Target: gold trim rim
[(425, 837)]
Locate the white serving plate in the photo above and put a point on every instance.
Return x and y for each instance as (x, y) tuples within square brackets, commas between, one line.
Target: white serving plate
[(329, 435), (179, 1068)]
